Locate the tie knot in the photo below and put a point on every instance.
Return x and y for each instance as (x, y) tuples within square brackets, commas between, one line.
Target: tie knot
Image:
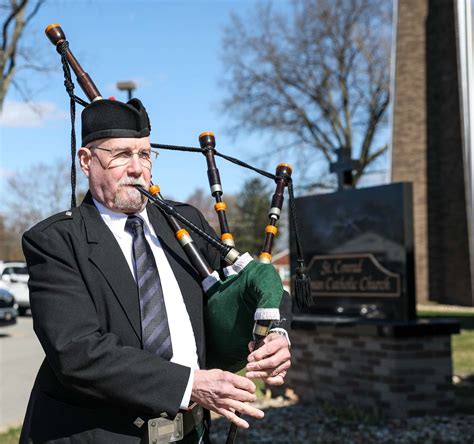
[(134, 224)]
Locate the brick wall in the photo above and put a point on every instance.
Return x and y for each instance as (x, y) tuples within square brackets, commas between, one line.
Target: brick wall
[(409, 125), (427, 148), (388, 376)]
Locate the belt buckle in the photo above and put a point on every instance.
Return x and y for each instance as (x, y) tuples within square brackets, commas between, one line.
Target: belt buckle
[(163, 431)]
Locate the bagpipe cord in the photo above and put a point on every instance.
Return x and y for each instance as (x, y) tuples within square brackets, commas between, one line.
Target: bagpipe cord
[(68, 83)]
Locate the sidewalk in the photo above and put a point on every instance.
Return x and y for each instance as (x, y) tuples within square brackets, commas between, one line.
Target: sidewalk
[(20, 358)]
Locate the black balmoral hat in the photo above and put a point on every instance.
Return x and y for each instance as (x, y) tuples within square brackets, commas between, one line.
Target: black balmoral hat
[(111, 118)]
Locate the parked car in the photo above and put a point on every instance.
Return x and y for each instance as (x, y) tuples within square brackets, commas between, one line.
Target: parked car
[(15, 276), (8, 306)]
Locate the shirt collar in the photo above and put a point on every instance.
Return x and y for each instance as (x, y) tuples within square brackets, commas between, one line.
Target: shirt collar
[(116, 221)]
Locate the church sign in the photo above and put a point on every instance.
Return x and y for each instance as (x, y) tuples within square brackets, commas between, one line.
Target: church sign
[(359, 250), (356, 275)]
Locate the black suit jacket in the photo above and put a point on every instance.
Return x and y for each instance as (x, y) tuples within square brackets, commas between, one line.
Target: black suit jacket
[(96, 380)]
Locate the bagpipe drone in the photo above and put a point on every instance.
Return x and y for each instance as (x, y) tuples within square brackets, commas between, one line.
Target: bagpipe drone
[(244, 300)]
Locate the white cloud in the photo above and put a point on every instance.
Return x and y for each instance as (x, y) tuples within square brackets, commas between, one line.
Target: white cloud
[(4, 172), (30, 115)]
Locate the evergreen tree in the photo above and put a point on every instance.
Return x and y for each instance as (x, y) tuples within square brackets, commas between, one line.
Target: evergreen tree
[(248, 225)]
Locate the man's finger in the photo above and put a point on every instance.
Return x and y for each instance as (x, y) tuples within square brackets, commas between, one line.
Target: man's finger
[(240, 382), (265, 373), (272, 345), (242, 395), (271, 362), (232, 417), (245, 409), (275, 380)]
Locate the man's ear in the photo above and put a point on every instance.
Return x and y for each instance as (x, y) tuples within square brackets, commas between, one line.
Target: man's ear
[(85, 156)]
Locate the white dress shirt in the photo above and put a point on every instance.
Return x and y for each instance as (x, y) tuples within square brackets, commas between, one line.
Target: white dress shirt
[(182, 335)]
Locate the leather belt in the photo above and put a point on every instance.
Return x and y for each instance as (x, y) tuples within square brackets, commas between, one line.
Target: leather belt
[(192, 417), (162, 430)]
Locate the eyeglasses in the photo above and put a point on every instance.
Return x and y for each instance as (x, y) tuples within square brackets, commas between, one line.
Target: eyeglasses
[(121, 156)]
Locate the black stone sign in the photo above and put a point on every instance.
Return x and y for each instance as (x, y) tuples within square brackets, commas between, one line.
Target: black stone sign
[(358, 247)]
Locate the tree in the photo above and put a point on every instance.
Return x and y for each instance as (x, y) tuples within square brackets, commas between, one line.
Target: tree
[(10, 248), (16, 17), (247, 215), (249, 222), (32, 195), (204, 202), (318, 76)]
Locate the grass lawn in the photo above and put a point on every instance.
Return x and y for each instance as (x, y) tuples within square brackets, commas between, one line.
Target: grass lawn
[(463, 343), (10, 437), (463, 353), (463, 356)]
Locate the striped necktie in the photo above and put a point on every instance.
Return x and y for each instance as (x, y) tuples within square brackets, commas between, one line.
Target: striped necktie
[(156, 336)]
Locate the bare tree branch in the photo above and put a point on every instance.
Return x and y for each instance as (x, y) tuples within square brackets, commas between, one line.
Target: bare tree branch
[(34, 11), (15, 12), (51, 185), (12, 31), (319, 75)]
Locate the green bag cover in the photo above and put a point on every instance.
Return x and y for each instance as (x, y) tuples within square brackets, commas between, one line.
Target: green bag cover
[(230, 310)]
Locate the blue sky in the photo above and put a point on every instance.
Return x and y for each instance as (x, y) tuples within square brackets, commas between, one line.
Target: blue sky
[(171, 50)]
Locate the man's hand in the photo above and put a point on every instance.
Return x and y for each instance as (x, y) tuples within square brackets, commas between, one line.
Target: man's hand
[(271, 361), (225, 393)]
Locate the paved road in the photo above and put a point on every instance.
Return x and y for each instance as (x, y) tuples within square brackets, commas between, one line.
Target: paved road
[(20, 358)]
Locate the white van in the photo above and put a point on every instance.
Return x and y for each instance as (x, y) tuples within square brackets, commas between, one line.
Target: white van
[(15, 276)]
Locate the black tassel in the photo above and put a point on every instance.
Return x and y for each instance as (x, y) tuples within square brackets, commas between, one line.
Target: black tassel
[(302, 280), (302, 286)]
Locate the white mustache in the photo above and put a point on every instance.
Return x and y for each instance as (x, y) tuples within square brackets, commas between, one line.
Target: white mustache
[(133, 181)]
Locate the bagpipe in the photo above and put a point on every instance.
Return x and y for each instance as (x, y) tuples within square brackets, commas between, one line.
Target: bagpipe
[(244, 299)]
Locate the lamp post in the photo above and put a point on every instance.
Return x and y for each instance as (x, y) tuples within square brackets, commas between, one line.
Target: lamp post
[(128, 86)]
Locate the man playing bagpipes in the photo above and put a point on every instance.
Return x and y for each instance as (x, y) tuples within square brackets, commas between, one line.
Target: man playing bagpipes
[(119, 307)]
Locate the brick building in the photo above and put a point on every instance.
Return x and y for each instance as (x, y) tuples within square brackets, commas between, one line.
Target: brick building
[(432, 143)]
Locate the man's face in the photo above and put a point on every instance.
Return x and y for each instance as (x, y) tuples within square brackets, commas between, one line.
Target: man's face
[(112, 184)]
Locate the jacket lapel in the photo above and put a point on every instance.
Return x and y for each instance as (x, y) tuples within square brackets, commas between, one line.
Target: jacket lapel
[(106, 255), (188, 279)]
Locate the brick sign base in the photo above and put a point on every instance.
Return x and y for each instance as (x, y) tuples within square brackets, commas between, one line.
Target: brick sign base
[(393, 370)]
